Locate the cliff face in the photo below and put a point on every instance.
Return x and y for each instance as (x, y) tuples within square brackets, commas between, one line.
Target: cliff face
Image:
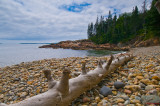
[(83, 45)]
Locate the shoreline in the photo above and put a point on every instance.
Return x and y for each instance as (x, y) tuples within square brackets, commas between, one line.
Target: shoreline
[(26, 79)]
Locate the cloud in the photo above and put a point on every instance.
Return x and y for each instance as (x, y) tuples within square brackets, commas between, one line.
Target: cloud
[(55, 19)]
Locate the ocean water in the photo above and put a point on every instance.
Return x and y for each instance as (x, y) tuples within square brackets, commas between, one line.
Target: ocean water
[(15, 53)]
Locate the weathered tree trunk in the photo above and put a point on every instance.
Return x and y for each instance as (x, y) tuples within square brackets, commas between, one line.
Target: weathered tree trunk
[(63, 92)]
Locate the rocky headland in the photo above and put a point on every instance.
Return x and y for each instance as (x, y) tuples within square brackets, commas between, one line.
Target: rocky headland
[(84, 45), (135, 84)]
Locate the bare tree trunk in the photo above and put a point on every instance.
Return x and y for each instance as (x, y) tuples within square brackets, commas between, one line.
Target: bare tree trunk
[(63, 92)]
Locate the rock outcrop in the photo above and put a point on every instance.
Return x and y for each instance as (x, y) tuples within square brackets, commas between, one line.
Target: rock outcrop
[(84, 45)]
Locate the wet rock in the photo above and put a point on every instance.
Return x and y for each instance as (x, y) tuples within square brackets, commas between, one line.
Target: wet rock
[(105, 91), (119, 85)]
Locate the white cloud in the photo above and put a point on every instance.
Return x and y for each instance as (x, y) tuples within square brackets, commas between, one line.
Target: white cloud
[(44, 19)]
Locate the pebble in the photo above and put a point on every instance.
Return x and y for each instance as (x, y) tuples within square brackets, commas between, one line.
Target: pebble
[(118, 85), (127, 102), (105, 91), (127, 91), (97, 99), (120, 100), (150, 99)]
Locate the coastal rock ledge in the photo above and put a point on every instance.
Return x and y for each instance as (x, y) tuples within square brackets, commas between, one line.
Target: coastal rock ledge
[(84, 45)]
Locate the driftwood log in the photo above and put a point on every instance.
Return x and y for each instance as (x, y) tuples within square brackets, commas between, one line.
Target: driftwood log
[(63, 92)]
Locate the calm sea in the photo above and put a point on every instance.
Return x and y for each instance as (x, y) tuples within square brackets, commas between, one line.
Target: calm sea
[(15, 53)]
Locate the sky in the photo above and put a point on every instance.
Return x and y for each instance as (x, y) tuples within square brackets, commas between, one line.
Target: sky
[(55, 20)]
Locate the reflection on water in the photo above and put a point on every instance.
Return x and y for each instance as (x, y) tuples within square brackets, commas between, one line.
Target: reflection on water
[(101, 52)]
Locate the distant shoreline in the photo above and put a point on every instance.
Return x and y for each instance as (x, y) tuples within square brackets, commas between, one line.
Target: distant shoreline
[(35, 43)]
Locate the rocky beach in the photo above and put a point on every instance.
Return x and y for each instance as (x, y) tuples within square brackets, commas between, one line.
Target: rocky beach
[(135, 84)]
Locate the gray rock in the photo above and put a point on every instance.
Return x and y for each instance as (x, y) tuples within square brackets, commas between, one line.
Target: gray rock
[(137, 98), (126, 102), (119, 85), (150, 99), (15, 98), (105, 91), (149, 87), (125, 97), (142, 85), (17, 79), (153, 92)]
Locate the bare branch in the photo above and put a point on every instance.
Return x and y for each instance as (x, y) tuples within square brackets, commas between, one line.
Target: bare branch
[(109, 62), (63, 86), (51, 82), (100, 64)]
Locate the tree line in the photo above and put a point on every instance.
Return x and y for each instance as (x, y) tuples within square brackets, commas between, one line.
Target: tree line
[(145, 23)]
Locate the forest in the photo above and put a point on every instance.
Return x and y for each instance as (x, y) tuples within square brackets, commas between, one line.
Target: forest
[(127, 26)]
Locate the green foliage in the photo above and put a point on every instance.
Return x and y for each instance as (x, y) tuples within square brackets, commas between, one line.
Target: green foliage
[(126, 27)]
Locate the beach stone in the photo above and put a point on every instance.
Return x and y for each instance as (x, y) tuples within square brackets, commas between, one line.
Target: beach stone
[(153, 92), (135, 101), (142, 85), (104, 102), (15, 98), (139, 77), (105, 91), (127, 91), (118, 85), (156, 78), (119, 100), (150, 99), (86, 99), (114, 93), (97, 99), (137, 98), (132, 87), (127, 102), (94, 104), (17, 79), (149, 87), (146, 81), (1, 96), (99, 104), (125, 97), (23, 94)]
